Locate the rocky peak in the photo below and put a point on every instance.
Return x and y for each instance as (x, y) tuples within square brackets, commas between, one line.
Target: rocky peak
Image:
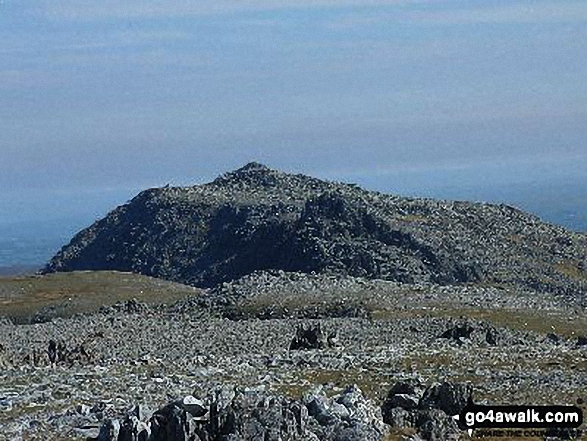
[(256, 218), (252, 174)]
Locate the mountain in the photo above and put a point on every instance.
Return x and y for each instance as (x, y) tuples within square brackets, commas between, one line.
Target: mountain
[(257, 218)]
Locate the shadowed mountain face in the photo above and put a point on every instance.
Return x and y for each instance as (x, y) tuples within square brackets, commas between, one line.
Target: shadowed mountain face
[(257, 218)]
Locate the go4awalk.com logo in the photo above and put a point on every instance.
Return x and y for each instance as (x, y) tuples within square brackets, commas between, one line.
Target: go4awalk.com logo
[(505, 419)]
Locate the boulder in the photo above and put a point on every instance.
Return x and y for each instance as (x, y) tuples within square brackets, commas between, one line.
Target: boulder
[(404, 401), (404, 395), (398, 417), (429, 413), (309, 338), (451, 398), (458, 333), (109, 431), (435, 425)]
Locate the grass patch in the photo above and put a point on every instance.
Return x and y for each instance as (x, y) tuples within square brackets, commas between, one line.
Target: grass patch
[(82, 292), (542, 321), (373, 385)]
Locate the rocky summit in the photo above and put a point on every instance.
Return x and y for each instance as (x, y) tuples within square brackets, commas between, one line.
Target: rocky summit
[(257, 218)]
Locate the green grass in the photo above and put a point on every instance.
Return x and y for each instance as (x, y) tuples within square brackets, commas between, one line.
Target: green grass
[(542, 321), (82, 292), (373, 384)]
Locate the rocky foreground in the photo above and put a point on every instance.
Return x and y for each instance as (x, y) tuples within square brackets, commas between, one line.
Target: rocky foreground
[(314, 311), (364, 360)]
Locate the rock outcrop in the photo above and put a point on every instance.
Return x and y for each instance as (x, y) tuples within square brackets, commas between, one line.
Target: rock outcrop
[(249, 415), (429, 410), (312, 338)]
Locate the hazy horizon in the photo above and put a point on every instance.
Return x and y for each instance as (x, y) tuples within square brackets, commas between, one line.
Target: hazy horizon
[(29, 238), (451, 99)]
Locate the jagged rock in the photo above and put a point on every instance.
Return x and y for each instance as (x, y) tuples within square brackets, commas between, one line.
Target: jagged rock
[(458, 333), (193, 406), (132, 306), (553, 338), (312, 338), (408, 387), (137, 411), (436, 425), (403, 397), (133, 429), (581, 340), (332, 340), (431, 415), (57, 352), (52, 351), (109, 431), (348, 416), (318, 408), (171, 423), (255, 415), (83, 409), (398, 417), (404, 401), (491, 337), (451, 398), (4, 363)]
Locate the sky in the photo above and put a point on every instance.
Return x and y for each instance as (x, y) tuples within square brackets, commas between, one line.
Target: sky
[(455, 98)]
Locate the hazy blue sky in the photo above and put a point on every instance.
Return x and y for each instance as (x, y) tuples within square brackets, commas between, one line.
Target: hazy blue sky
[(100, 98)]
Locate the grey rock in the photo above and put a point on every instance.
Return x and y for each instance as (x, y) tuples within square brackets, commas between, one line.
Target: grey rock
[(83, 409), (404, 401), (309, 338), (318, 408), (406, 387), (399, 417), (109, 431), (458, 333), (256, 415), (193, 406), (451, 398), (491, 337), (171, 423), (435, 425), (402, 397)]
